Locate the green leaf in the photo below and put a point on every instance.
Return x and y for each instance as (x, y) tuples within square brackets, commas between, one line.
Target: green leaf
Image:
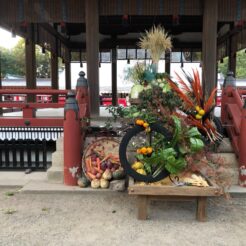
[(177, 131), (196, 144), (176, 167), (193, 132)]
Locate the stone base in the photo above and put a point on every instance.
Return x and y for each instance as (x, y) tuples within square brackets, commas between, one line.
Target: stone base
[(55, 175)]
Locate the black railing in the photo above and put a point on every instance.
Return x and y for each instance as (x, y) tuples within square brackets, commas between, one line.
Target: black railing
[(25, 154)]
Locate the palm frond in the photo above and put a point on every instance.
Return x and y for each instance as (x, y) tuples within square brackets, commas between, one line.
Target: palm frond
[(208, 104), (183, 84), (180, 93)]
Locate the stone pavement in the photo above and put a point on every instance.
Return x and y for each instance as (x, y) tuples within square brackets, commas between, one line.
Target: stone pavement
[(36, 182)]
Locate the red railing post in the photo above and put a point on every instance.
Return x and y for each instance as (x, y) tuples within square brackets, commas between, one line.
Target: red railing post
[(82, 93), (28, 112), (228, 86), (242, 146), (72, 141)]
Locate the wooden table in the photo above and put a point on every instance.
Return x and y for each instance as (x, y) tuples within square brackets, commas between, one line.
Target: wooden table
[(145, 193)]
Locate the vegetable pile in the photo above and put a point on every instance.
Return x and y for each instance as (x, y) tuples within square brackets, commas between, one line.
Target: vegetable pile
[(101, 166)]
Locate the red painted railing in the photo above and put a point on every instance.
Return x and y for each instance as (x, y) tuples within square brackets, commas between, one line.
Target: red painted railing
[(29, 109), (233, 117), (74, 111)]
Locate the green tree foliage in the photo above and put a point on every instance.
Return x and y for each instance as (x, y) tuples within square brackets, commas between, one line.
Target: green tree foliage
[(13, 61), (241, 65)]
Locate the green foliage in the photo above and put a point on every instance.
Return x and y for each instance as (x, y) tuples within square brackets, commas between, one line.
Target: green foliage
[(13, 61), (135, 74), (241, 65), (171, 155), (240, 62)]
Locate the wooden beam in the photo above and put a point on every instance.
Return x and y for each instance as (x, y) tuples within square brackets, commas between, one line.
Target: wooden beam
[(108, 44), (30, 57), (55, 33), (92, 50), (54, 75), (209, 45), (114, 76)]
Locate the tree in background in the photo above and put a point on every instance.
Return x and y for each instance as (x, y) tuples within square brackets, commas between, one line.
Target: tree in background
[(13, 61), (241, 65)]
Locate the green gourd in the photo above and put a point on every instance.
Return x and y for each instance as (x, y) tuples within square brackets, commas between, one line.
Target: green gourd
[(83, 182), (118, 174)]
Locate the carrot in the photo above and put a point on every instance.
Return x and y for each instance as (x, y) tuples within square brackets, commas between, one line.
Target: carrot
[(99, 171), (90, 162), (91, 176), (87, 164), (105, 158), (98, 164)]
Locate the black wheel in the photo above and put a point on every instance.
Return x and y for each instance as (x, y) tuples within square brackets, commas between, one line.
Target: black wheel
[(135, 134)]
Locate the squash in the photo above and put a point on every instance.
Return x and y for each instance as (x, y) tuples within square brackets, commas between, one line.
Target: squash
[(104, 184), (95, 183), (135, 91), (107, 175), (118, 174), (83, 182)]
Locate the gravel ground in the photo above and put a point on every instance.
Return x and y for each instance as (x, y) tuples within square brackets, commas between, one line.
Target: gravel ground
[(110, 219)]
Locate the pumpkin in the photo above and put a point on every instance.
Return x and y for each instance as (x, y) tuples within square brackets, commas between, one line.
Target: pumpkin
[(83, 182), (118, 174)]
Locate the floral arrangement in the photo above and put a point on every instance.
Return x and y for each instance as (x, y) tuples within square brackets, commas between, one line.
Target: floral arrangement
[(179, 107)]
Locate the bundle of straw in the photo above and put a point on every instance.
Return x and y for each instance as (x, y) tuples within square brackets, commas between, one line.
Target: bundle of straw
[(157, 41)]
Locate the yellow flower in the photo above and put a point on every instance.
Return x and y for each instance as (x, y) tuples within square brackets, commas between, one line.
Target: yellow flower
[(201, 112), (198, 116), (141, 171), (197, 108)]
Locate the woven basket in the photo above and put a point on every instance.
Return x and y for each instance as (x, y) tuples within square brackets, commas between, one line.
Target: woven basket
[(106, 145)]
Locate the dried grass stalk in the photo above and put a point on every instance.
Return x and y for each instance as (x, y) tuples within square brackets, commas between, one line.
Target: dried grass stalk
[(157, 41)]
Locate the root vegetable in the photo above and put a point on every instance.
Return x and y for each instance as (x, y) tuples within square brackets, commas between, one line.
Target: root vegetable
[(98, 175), (107, 175), (104, 183), (91, 176), (95, 183)]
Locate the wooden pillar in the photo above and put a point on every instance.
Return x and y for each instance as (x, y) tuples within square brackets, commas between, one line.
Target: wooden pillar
[(92, 50), (54, 75), (232, 56), (168, 62), (1, 111), (114, 77), (209, 45), (68, 69), (30, 57), (68, 75)]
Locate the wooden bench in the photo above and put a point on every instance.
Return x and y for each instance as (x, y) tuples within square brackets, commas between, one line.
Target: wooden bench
[(175, 193)]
